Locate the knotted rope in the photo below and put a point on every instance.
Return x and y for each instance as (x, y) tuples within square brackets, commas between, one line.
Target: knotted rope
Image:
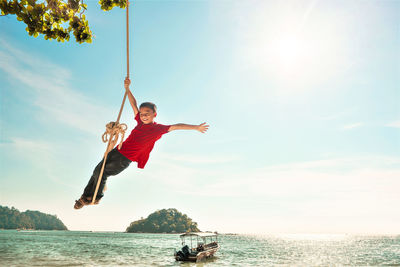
[(114, 129)]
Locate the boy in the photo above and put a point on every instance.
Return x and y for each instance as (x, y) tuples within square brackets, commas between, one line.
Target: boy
[(136, 147)]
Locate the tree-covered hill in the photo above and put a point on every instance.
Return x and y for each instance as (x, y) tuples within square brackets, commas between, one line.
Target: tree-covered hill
[(14, 219), (164, 221)]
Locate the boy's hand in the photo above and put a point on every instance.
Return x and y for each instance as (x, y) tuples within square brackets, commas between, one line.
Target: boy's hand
[(127, 82), (132, 99), (202, 127)]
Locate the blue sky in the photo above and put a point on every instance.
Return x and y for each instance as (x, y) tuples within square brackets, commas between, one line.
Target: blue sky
[(302, 98)]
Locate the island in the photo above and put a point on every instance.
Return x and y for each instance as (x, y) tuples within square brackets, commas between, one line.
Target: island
[(28, 220), (164, 221)]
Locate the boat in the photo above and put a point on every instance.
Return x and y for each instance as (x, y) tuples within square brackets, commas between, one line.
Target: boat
[(205, 246)]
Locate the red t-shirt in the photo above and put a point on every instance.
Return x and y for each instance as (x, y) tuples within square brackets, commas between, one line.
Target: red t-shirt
[(140, 142)]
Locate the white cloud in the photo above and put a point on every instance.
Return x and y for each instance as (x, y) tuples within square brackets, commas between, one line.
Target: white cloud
[(43, 156), (334, 176), (328, 165), (353, 126), (326, 192), (200, 159), (394, 124), (58, 102), (337, 115), (29, 145)]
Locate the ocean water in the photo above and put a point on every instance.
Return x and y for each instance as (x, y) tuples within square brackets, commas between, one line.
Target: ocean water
[(72, 248)]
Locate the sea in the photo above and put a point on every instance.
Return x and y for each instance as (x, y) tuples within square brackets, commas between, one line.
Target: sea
[(75, 248)]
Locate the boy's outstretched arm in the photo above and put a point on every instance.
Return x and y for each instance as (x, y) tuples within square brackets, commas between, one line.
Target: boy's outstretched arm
[(131, 98), (181, 126)]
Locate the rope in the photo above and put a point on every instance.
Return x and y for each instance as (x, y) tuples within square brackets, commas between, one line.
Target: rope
[(127, 38), (114, 129)]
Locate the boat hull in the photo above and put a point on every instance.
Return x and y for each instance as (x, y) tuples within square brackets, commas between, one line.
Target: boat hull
[(200, 256)]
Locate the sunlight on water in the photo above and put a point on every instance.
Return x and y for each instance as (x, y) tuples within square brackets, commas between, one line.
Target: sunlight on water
[(67, 248), (313, 236)]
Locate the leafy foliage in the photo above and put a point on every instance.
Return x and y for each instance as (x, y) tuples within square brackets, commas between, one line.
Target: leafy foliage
[(14, 219), (55, 19), (110, 4), (164, 221)]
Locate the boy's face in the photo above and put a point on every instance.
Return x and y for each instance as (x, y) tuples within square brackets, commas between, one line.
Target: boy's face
[(147, 115)]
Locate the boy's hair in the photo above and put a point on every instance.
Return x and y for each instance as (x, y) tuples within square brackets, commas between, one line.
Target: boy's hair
[(149, 105)]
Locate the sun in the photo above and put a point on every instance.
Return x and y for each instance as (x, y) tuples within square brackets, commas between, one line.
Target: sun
[(290, 53)]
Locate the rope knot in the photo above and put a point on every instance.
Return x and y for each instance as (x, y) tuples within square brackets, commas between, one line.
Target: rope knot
[(113, 130)]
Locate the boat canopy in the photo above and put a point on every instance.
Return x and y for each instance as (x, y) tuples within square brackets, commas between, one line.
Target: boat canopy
[(200, 234)]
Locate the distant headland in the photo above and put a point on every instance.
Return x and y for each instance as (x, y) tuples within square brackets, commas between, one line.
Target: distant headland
[(32, 220), (164, 221)]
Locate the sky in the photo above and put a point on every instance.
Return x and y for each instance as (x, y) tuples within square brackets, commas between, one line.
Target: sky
[(302, 99)]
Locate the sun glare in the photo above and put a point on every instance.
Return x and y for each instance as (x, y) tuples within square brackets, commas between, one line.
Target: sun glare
[(290, 53), (293, 52)]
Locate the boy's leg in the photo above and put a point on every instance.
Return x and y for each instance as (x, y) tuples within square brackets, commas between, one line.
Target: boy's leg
[(116, 163)]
